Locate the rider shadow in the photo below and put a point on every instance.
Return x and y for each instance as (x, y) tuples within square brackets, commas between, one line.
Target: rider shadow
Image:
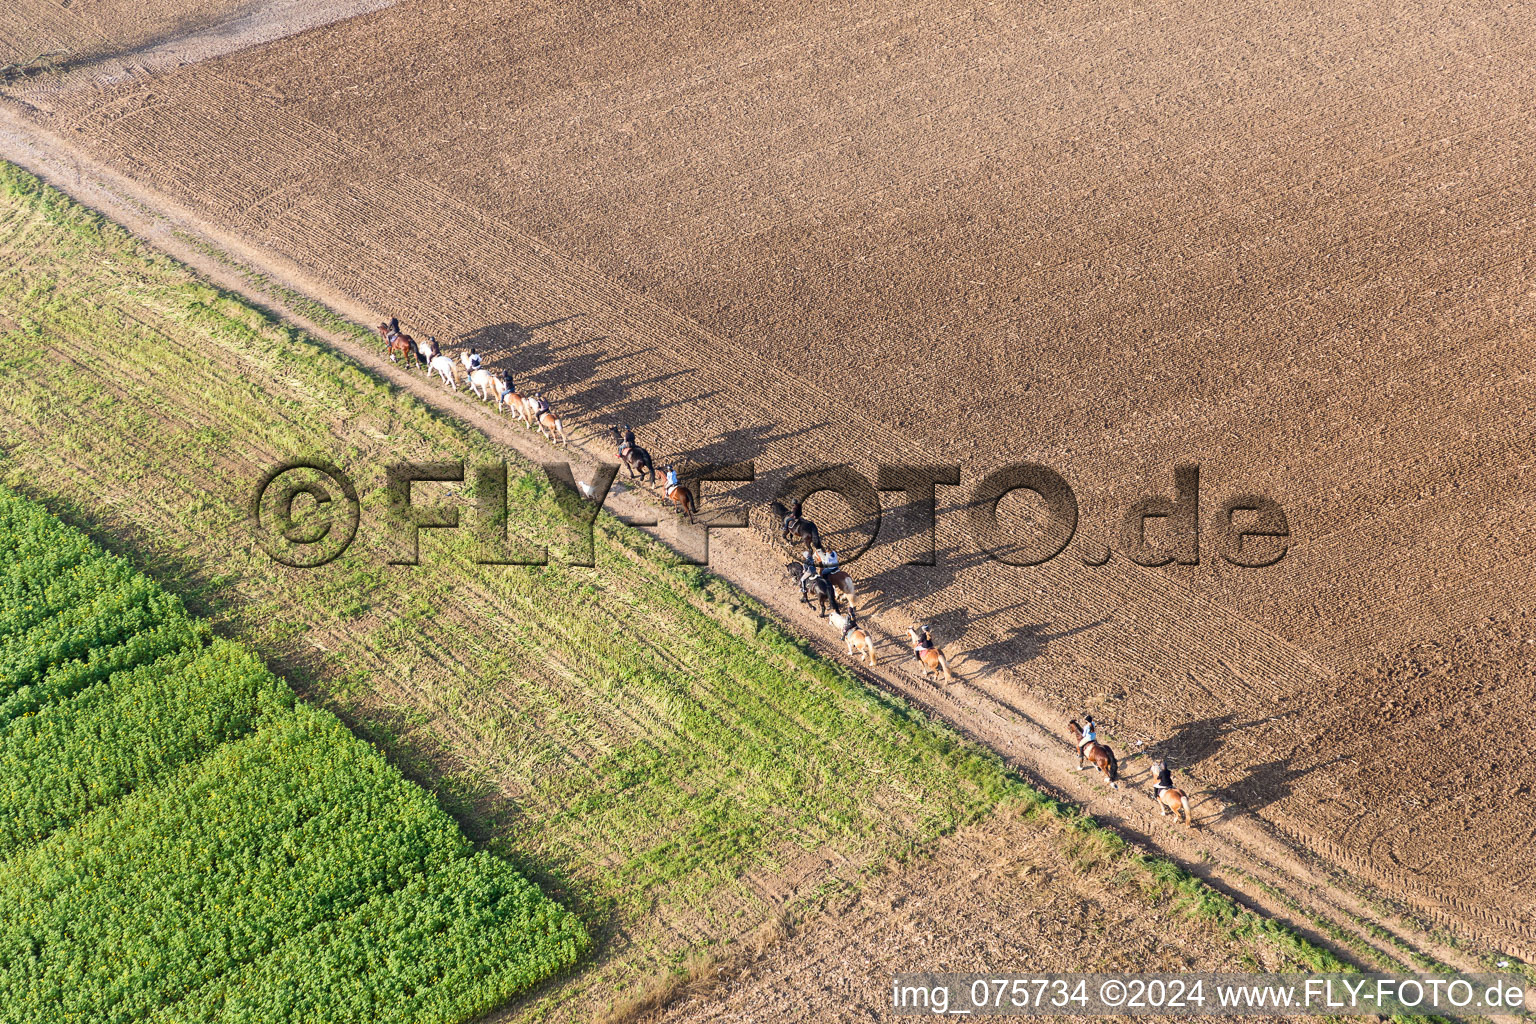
[(497, 338), (1022, 644), (743, 443), (614, 399), (899, 584), (1194, 741), (1263, 785)]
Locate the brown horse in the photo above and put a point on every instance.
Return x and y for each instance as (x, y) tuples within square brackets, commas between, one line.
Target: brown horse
[(636, 459), (1172, 801), (399, 346), (930, 657), (860, 644), (682, 497), (1095, 755)]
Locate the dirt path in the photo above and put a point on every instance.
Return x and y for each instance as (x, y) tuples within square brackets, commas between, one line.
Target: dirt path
[(1234, 850)]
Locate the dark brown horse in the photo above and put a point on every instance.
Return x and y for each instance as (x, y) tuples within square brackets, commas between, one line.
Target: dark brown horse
[(1095, 755), (796, 528), (636, 459), (814, 585)]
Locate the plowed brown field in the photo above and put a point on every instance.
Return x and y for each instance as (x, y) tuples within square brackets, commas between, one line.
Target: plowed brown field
[(1288, 244)]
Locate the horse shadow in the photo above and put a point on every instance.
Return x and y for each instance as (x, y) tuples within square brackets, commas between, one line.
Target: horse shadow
[(498, 339), (1022, 644), (1264, 784), (898, 584)]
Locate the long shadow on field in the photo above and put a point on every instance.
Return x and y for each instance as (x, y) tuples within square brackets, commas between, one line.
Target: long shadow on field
[(1265, 784), (1023, 643), (1194, 741), (900, 584), (510, 337)]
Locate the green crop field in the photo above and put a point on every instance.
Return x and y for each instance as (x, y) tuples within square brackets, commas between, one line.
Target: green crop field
[(180, 840), (636, 736)]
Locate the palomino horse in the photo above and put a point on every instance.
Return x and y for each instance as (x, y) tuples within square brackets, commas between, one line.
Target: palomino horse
[(636, 459), (1172, 801), (548, 423), (844, 583), (507, 395), (813, 585), (930, 657), (443, 367), (682, 497), (796, 528), (860, 644), (1095, 755)]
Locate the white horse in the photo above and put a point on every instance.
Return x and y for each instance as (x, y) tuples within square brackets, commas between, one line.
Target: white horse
[(443, 366), (471, 360), (481, 382)]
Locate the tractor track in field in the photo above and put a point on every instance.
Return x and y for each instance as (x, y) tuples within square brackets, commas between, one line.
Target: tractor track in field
[(1232, 849)]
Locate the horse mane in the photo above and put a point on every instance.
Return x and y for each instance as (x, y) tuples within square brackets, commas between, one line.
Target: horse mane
[(778, 509)]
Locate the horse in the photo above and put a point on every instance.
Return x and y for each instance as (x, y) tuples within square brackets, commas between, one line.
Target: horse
[(813, 583), (1172, 801), (548, 423), (480, 382), (399, 346), (796, 527), (443, 367), (429, 351), (1097, 755), (636, 459), (931, 658), (507, 395), (682, 497), (844, 583), (860, 644)]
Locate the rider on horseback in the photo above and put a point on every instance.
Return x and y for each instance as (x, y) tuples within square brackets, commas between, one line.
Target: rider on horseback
[(474, 360), (671, 478), (924, 642), (1090, 733), (1164, 780), (394, 328), (794, 518), (627, 444)]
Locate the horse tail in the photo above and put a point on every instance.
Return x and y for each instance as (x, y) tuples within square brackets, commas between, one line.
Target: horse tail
[(944, 664), (1114, 766), (1189, 819)]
